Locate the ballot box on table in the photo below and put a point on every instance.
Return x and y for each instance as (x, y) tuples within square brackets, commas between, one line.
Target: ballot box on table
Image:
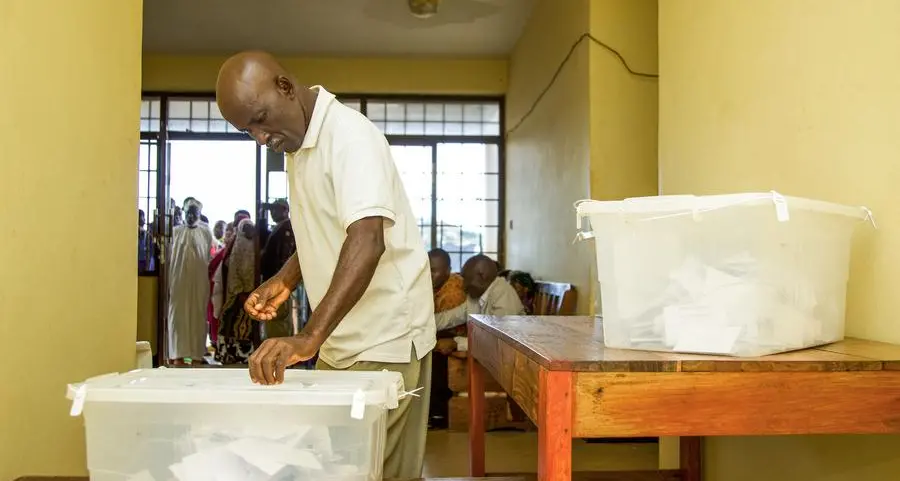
[(215, 424)]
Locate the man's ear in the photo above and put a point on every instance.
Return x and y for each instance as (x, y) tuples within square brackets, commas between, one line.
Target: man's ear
[(285, 86)]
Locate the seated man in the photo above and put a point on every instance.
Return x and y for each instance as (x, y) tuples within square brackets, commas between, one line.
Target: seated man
[(487, 294), (448, 287)]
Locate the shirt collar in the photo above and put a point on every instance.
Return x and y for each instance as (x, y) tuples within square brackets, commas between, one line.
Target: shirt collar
[(323, 101)]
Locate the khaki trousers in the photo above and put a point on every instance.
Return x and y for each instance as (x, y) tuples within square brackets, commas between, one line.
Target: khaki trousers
[(407, 426)]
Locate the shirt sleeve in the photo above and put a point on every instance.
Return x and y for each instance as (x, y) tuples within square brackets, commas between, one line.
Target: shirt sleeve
[(452, 317), (365, 181)]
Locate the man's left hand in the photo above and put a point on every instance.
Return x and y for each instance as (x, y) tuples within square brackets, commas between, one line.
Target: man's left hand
[(267, 364)]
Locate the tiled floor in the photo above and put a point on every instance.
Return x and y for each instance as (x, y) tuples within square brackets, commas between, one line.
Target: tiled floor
[(515, 452)]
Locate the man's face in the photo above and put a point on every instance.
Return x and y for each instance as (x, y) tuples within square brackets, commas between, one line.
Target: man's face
[(279, 213), (192, 215), (229, 232), (474, 283), (440, 271), (269, 111), (142, 220), (219, 229)]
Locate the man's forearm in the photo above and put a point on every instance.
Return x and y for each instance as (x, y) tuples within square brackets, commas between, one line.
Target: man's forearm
[(290, 272), (360, 253)]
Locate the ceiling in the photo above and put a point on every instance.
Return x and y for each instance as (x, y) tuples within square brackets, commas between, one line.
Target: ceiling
[(333, 27)]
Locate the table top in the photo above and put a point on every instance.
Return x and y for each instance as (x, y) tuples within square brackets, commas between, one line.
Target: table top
[(565, 343)]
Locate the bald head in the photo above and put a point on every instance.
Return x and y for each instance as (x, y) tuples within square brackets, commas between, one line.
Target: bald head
[(479, 272), (259, 96)]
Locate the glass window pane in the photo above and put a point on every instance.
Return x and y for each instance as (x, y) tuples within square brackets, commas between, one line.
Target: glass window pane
[(415, 128), (179, 109), (144, 157), (218, 126), (353, 104), (143, 183), (179, 125), (396, 111), (434, 112), (231, 128), (491, 240), (453, 128), (380, 125), (151, 189), (453, 112), (214, 112), (434, 128), (153, 156), (145, 109), (375, 110), (415, 111), (395, 128), (278, 185), (425, 232), (491, 128), (154, 109), (472, 113), (471, 129), (200, 109), (414, 165), (492, 186), (199, 126), (490, 112), (145, 125)]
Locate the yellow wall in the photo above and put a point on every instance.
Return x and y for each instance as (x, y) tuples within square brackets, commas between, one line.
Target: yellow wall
[(548, 155), (147, 311), (343, 75), (802, 96), (623, 107), (69, 91)]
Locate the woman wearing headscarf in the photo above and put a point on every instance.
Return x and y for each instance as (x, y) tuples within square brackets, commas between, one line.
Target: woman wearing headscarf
[(236, 279)]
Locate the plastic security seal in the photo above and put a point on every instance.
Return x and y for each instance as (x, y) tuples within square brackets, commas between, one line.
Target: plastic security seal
[(358, 404)]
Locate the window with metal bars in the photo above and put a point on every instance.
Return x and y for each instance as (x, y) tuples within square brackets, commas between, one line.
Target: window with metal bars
[(449, 152)]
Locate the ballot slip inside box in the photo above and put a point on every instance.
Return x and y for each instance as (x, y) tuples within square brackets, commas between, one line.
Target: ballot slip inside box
[(740, 275), (216, 425)]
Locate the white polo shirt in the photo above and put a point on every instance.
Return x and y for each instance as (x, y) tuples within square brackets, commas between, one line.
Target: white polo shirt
[(342, 173)]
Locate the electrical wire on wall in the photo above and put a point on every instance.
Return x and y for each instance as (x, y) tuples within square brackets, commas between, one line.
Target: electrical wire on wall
[(584, 36)]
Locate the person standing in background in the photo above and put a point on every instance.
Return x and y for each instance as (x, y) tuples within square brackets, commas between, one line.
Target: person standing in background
[(278, 249), (219, 234), (146, 259), (217, 282), (235, 280), (189, 287)]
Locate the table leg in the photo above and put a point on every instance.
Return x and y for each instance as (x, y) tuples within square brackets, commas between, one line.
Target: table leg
[(476, 415), (554, 425), (691, 456)]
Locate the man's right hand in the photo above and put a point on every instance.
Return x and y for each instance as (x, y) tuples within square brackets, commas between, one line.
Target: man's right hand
[(264, 302)]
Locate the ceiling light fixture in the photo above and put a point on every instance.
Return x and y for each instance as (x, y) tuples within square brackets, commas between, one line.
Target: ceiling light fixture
[(423, 8)]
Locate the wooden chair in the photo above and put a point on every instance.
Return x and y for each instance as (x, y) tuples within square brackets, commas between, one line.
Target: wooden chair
[(554, 299)]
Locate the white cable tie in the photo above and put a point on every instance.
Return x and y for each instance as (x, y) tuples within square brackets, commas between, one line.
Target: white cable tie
[(413, 393), (781, 207), (870, 217)]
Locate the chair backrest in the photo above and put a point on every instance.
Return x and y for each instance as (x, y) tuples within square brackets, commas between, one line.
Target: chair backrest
[(554, 299)]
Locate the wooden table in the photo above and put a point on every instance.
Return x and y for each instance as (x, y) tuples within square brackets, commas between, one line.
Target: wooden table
[(571, 386)]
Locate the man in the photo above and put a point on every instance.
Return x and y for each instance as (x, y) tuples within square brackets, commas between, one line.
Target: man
[(487, 294), (219, 233), (448, 293), (189, 286), (278, 249), (146, 261), (448, 287), (358, 245)]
